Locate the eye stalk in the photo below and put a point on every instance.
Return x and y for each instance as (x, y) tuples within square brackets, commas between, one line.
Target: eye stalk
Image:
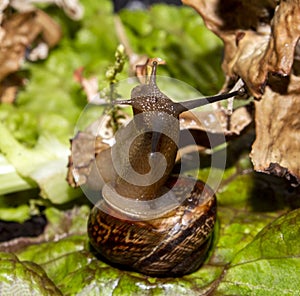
[(188, 105), (150, 89), (152, 81)]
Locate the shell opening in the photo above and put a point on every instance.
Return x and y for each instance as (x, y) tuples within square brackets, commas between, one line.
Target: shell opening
[(141, 210)]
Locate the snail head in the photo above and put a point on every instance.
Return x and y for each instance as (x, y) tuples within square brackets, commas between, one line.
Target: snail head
[(147, 97)]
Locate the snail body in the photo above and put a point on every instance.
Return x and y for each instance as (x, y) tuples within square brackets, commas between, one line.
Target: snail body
[(149, 220)]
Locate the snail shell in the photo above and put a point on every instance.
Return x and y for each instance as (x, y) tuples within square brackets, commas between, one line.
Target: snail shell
[(171, 245), (130, 226)]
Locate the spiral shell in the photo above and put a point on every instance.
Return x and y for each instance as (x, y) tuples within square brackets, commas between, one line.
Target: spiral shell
[(172, 245)]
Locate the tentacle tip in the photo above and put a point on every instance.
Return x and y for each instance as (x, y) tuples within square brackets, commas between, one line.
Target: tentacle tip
[(121, 102), (153, 73), (242, 91)]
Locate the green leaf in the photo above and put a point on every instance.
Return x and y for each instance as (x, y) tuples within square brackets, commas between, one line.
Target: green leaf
[(65, 233), (23, 278), (278, 240), (17, 214), (46, 164), (10, 180), (191, 54), (237, 229), (270, 264)]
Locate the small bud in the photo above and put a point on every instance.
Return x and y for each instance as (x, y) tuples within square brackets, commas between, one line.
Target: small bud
[(120, 52), (110, 73)]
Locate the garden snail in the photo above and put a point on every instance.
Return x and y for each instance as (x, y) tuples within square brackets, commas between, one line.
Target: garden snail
[(149, 220)]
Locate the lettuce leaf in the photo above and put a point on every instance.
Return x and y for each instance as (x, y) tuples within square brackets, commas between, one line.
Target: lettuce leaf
[(45, 163)]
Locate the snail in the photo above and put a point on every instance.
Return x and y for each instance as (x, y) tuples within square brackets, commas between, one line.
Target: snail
[(150, 220)]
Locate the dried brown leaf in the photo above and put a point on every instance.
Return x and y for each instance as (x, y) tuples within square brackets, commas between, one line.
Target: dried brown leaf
[(20, 30), (260, 46), (72, 8), (276, 149), (49, 29), (17, 33), (259, 36), (217, 122), (9, 88), (90, 161), (85, 147), (231, 20)]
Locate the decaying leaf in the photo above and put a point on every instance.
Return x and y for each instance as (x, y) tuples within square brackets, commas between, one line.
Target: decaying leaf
[(9, 88), (259, 37), (276, 149), (71, 7), (18, 32), (217, 122), (90, 162), (85, 148), (260, 46), (211, 128)]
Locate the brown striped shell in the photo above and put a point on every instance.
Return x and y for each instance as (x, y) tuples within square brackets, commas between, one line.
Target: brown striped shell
[(172, 245)]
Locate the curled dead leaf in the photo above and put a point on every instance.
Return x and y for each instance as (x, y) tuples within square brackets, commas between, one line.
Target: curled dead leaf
[(261, 47), (276, 149), (9, 88), (259, 37), (72, 8), (90, 162), (217, 121), (17, 33), (85, 147), (20, 31)]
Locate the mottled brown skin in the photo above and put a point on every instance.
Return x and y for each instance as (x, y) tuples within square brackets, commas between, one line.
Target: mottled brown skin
[(148, 98), (176, 243)]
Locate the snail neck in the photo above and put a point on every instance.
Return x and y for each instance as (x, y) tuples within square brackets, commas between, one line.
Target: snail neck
[(150, 162), (154, 135)]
